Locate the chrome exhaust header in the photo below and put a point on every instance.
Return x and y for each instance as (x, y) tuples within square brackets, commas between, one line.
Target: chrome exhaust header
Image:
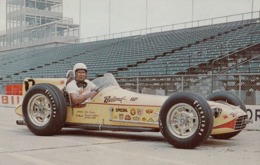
[(20, 122)]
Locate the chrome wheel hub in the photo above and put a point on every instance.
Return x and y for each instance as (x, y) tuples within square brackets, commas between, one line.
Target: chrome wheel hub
[(39, 110), (182, 120)]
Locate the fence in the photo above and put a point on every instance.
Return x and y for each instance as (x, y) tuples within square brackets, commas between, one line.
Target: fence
[(183, 25), (246, 86)]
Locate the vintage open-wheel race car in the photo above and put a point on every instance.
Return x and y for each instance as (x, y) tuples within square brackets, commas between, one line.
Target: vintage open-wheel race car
[(185, 119)]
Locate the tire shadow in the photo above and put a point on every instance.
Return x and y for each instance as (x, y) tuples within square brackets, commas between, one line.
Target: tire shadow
[(140, 136), (211, 142)]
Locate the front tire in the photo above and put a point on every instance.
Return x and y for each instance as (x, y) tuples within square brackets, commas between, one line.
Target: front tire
[(44, 109), (227, 97), (186, 120)]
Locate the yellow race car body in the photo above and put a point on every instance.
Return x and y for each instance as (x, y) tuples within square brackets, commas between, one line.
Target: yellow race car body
[(114, 108)]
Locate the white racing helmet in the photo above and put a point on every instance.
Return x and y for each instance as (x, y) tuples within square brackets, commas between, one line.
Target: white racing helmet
[(79, 66)]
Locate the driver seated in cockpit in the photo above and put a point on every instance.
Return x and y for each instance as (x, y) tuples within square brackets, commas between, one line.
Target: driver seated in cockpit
[(80, 89)]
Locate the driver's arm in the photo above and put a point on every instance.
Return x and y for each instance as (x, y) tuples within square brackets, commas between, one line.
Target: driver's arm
[(77, 99)]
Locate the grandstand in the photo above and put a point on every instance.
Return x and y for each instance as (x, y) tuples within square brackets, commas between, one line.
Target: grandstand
[(203, 49), (226, 48), (34, 23)]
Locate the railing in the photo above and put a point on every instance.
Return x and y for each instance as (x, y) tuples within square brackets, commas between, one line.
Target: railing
[(63, 20), (39, 37), (246, 86), (163, 28)]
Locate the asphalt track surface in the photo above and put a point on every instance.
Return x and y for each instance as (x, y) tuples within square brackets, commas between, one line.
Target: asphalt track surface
[(18, 146)]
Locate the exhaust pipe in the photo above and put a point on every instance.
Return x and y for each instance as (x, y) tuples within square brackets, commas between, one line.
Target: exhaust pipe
[(20, 122)]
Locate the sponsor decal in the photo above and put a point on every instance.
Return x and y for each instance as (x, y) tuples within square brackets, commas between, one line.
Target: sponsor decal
[(121, 116), (133, 111), (121, 110), (144, 119), (156, 114), (150, 120), (127, 117), (149, 111), (139, 112), (133, 99), (136, 118), (225, 116), (108, 99)]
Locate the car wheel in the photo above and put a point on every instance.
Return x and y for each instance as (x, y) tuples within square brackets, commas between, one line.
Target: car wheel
[(44, 109), (231, 99), (186, 120)]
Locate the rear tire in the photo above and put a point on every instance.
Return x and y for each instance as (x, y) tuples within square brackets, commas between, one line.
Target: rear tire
[(186, 120), (44, 109)]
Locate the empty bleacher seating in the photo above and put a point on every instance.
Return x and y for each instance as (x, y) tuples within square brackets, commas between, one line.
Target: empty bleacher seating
[(159, 53)]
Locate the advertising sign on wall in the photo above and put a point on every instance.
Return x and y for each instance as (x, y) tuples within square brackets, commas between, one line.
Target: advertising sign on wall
[(9, 100), (253, 112)]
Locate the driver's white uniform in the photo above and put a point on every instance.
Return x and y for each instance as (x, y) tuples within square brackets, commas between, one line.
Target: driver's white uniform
[(73, 88)]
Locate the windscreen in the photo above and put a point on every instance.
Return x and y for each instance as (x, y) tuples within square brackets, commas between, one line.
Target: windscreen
[(107, 80)]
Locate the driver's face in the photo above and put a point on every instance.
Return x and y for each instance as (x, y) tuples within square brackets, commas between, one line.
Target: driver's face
[(81, 75)]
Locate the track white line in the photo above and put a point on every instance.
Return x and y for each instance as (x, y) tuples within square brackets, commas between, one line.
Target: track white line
[(29, 159)]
